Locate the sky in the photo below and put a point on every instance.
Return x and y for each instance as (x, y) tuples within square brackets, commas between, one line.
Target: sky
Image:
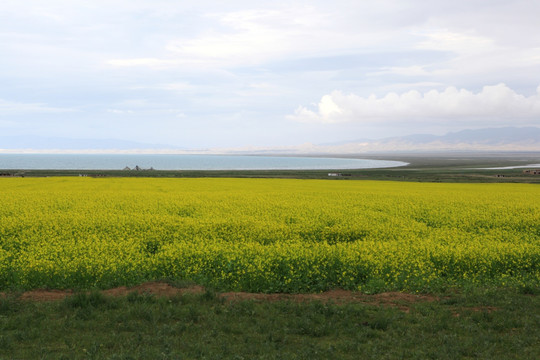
[(207, 74)]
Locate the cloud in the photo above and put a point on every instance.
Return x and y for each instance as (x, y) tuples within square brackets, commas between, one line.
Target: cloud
[(248, 35), (178, 86), (144, 108), (237, 38), (14, 107), (415, 70), (147, 62), (120, 112), (257, 36), (461, 43), (494, 103)]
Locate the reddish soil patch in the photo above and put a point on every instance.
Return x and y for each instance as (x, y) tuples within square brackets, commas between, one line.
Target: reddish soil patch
[(338, 296), (45, 295)]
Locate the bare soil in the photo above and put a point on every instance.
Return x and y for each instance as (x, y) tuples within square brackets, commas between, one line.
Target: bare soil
[(162, 289), (399, 300)]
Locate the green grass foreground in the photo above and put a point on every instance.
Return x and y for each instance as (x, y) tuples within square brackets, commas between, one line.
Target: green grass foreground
[(478, 324)]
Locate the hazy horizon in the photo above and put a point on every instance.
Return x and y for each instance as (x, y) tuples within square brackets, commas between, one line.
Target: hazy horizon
[(239, 74)]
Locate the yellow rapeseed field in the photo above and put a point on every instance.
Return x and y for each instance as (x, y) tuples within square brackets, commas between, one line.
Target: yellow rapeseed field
[(269, 235)]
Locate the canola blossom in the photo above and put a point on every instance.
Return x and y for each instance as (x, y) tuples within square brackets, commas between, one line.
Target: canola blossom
[(267, 235)]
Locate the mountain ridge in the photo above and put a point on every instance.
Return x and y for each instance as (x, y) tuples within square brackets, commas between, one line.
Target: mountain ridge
[(505, 138), (486, 139)]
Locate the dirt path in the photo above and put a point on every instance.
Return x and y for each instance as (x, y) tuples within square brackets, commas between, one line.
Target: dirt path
[(393, 299)]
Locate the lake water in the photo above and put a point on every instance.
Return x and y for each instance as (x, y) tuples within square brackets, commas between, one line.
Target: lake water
[(513, 167), (184, 162)]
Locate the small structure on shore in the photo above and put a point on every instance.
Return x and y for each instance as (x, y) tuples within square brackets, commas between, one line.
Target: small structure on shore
[(137, 168)]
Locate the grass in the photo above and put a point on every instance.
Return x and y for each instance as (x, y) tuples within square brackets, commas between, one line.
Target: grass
[(481, 323), (450, 175)]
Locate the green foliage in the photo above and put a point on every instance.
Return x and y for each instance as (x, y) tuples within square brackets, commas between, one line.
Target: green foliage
[(86, 300)]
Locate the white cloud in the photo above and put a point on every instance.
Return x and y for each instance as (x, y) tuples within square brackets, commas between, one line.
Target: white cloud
[(415, 70), (497, 103), (459, 42), (255, 36), (120, 112), (248, 35), (237, 37), (529, 57), (14, 107), (148, 62), (177, 86)]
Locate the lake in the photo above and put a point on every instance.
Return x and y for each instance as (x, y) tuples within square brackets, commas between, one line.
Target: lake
[(184, 162)]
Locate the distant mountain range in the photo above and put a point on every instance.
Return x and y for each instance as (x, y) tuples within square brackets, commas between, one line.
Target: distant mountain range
[(490, 139), (500, 139), (495, 136), (507, 138)]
